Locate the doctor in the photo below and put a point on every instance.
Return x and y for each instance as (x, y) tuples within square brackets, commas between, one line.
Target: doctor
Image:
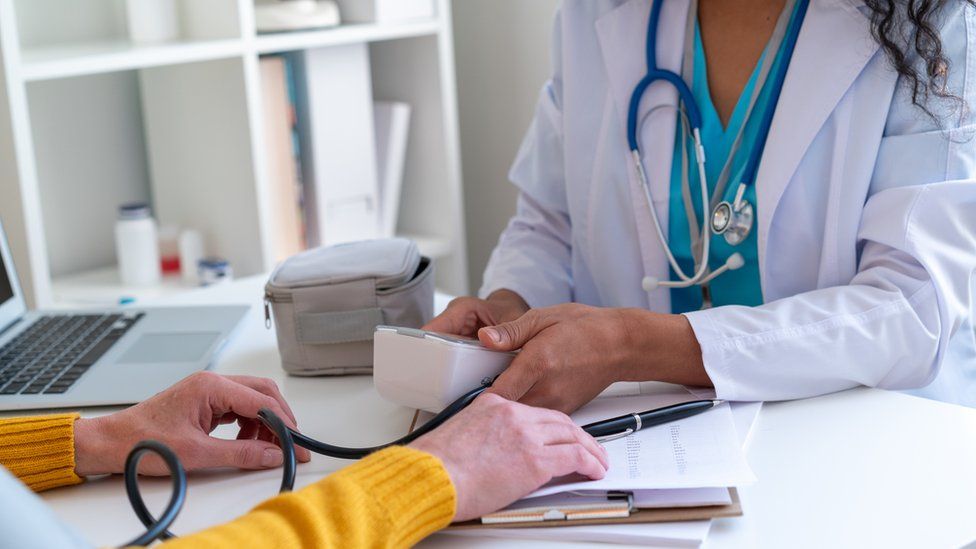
[(775, 198)]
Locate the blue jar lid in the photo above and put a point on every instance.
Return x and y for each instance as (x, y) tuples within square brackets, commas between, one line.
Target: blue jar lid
[(213, 263), (134, 210)]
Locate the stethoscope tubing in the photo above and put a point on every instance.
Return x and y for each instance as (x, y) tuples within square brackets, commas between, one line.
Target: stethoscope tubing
[(684, 93), (155, 528), (287, 438), (766, 123)]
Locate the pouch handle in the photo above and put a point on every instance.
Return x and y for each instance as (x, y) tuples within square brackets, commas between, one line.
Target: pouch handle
[(338, 327)]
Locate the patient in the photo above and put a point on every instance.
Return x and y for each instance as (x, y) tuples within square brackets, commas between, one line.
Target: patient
[(486, 457)]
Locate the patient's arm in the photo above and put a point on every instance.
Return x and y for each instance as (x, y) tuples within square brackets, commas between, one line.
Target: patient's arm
[(486, 457)]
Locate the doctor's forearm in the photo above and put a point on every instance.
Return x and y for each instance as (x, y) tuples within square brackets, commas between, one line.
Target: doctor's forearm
[(663, 348)]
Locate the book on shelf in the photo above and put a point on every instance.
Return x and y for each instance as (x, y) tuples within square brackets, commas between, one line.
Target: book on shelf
[(286, 224), (338, 146), (296, 146), (392, 122)]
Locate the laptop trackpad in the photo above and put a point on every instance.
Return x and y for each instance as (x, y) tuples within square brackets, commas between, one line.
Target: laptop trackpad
[(188, 347)]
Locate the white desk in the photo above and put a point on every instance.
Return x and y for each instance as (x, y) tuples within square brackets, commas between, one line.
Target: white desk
[(864, 468)]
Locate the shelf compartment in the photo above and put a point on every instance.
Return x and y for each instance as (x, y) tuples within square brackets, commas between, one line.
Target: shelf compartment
[(174, 136), (90, 149), (201, 164)]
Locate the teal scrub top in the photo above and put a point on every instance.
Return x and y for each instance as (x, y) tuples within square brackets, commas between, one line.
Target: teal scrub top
[(742, 286)]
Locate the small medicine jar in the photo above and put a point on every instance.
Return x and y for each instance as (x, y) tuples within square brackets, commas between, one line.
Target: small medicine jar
[(137, 245)]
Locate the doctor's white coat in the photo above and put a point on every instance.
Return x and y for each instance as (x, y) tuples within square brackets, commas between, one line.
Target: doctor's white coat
[(866, 206)]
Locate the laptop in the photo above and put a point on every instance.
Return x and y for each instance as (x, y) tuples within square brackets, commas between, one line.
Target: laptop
[(100, 357)]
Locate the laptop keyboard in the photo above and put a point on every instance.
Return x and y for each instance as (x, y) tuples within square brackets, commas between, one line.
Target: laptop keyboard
[(56, 350)]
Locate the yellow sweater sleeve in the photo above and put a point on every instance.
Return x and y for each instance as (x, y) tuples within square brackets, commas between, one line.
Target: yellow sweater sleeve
[(40, 450), (393, 498)]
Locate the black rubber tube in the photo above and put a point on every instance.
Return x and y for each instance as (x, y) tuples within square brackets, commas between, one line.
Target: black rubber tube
[(155, 529), (287, 439)]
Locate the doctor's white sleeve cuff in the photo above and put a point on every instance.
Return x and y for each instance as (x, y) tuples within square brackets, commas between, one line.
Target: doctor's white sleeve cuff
[(714, 357)]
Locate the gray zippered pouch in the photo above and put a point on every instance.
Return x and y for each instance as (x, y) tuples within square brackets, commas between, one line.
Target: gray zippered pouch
[(327, 302)]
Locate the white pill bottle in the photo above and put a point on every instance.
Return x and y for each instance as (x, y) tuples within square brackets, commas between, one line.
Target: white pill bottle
[(153, 21), (137, 245)]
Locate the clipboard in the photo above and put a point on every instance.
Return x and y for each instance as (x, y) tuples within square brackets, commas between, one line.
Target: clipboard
[(637, 516)]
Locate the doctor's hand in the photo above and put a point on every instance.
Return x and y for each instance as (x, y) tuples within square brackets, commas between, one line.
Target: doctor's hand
[(571, 353), (466, 315), (497, 451), (182, 417)]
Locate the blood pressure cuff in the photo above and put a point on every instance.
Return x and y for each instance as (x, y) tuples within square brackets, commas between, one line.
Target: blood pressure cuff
[(327, 302)]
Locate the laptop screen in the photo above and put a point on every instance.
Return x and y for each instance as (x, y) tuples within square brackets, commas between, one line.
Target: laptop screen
[(6, 291)]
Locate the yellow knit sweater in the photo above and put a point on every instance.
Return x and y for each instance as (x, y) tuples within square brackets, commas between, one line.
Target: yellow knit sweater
[(393, 498)]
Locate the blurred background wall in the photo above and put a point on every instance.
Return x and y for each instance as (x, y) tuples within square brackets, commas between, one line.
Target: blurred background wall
[(502, 49)]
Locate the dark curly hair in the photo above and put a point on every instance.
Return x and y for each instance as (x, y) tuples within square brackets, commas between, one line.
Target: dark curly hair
[(908, 32)]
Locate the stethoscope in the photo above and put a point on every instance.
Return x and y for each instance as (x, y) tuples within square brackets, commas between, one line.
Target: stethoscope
[(733, 219)]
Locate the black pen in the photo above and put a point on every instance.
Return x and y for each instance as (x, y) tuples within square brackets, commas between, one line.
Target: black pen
[(610, 429)]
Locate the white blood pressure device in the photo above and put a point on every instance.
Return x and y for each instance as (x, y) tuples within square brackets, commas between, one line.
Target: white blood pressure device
[(427, 370)]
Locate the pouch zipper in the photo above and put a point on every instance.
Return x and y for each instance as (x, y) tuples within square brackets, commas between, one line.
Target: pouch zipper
[(269, 298)]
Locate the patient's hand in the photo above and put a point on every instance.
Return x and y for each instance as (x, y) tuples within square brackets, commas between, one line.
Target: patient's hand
[(497, 451), (466, 315), (183, 417)]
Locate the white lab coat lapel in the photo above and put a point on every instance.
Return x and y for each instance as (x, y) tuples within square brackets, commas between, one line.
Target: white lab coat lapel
[(833, 48), (622, 34)]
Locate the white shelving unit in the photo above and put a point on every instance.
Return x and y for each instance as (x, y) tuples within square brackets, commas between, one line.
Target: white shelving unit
[(89, 120)]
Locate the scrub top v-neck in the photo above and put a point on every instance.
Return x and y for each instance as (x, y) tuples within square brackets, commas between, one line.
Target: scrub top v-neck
[(742, 286)]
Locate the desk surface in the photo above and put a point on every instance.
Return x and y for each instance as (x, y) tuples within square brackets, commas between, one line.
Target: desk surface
[(859, 468)]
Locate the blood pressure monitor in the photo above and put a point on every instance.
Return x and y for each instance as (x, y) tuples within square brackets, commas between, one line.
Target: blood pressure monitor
[(428, 370)]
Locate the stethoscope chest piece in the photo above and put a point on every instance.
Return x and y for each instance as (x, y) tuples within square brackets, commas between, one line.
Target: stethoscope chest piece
[(733, 221)]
